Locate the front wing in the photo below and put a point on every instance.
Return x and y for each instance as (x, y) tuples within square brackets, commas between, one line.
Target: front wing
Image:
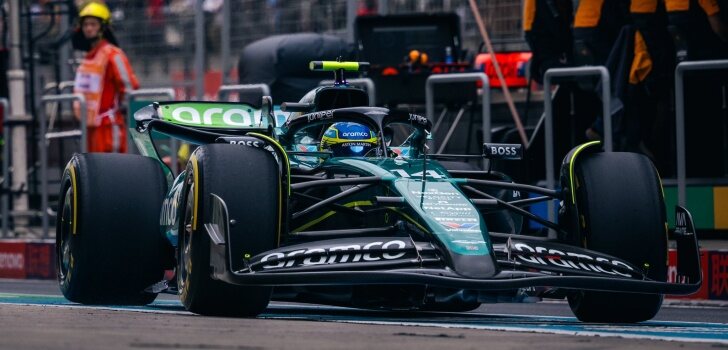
[(399, 260)]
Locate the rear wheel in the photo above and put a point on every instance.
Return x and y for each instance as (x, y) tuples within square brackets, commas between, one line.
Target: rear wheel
[(622, 213), (248, 181), (108, 245)]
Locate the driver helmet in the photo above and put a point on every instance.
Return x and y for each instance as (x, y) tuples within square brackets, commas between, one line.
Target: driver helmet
[(346, 139)]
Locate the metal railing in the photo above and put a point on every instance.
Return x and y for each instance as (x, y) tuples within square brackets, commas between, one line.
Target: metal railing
[(548, 113), (135, 94), (435, 79), (5, 205), (680, 117), (53, 87), (81, 133), (366, 83), (224, 93)]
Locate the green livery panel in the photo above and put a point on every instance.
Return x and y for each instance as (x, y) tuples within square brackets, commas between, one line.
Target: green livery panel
[(213, 115)]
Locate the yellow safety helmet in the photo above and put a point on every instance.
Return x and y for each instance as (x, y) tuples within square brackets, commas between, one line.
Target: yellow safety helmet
[(96, 9)]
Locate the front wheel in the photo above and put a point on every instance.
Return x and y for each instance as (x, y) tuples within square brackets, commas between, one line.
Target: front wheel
[(247, 180), (622, 213)]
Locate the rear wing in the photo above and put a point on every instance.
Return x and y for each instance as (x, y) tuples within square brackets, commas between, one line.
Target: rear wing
[(210, 115)]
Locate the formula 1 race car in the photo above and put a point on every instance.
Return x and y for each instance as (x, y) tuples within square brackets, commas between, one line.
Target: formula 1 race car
[(341, 204)]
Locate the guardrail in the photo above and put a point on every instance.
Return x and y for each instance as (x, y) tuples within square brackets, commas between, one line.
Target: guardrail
[(81, 133), (226, 90), (548, 112), (435, 79), (680, 117), (366, 83)]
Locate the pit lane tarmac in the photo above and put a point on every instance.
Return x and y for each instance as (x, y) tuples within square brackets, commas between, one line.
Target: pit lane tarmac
[(681, 324)]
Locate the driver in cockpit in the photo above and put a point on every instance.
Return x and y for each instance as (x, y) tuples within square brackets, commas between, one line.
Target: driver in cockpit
[(347, 139)]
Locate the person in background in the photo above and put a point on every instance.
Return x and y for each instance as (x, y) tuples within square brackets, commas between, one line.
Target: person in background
[(644, 83), (547, 27), (104, 78), (699, 32), (698, 29)]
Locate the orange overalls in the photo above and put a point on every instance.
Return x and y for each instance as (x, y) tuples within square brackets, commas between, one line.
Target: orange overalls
[(104, 77)]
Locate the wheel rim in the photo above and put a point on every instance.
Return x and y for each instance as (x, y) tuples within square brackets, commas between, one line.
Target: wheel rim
[(185, 246), (64, 248)]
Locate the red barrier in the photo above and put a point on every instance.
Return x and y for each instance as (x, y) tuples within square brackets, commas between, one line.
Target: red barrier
[(40, 260), (718, 275), (12, 259), (27, 259), (672, 273)]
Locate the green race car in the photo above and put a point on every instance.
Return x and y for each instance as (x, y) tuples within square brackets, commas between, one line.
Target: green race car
[(342, 204)]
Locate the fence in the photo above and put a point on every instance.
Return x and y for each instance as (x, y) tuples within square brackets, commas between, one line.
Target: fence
[(160, 40)]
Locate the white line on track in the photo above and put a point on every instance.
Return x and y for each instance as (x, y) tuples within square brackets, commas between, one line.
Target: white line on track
[(532, 330), (109, 308), (608, 330)]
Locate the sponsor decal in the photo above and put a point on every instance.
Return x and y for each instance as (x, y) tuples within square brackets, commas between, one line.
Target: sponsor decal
[(252, 142), (456, 225), (212, 115), (417, 119), (450, 209), (502, 151), (335, 254), (323, 115), (681, 223), (12, 260), (355, 144), (168, 216), (249, 143), (307, 148), (473, 244), (563, 258), (401, 151), (355, 134)]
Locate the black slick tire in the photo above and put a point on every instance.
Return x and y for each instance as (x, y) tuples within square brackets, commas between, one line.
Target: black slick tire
[(248, 181), (108, 244), (622, 211)]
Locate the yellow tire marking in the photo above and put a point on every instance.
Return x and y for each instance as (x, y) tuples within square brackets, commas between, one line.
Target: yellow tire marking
[(571, 167), (195, 183), (280, 212), (75, 198)]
